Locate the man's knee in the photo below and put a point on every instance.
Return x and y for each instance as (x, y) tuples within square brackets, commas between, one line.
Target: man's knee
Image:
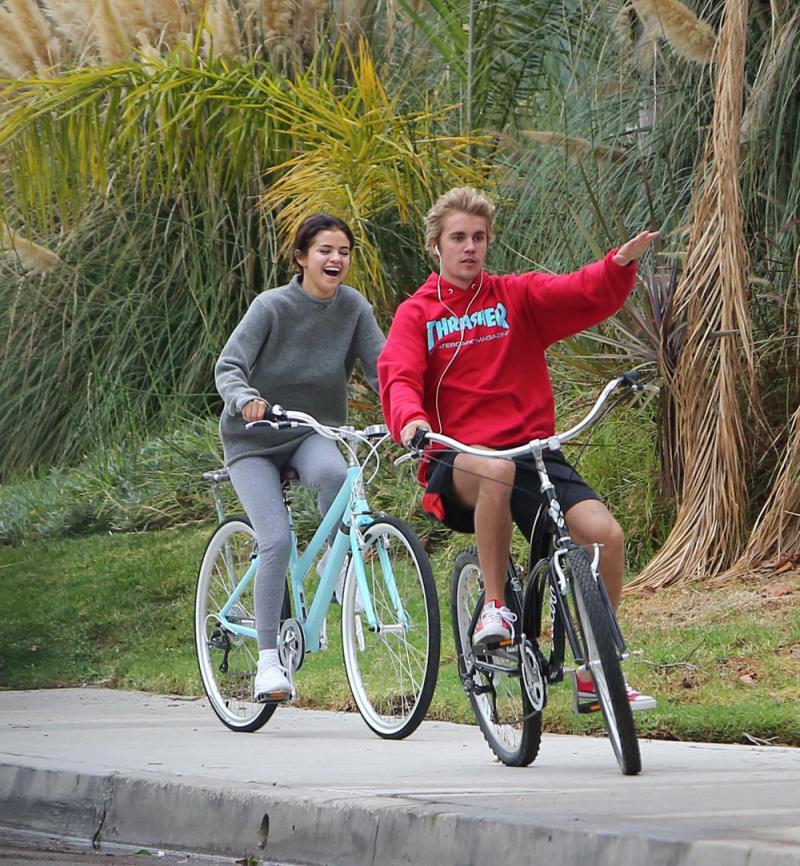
[(498, 472), (591, 522)]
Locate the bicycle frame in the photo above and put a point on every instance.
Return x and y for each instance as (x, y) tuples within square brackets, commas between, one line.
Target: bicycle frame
[(553, 513), (351, 512)]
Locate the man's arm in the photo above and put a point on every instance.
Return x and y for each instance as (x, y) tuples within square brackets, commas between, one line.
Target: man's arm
[(562, 305), (401, 372)]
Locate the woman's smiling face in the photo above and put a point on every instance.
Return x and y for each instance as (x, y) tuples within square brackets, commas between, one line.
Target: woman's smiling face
[(326, 262)]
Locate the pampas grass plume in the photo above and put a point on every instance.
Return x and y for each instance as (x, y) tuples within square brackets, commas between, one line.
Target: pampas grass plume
[(15, 56), (687, 34), (110, 36), (31, 256), (222, 27), (576, 146), (276, 16), (34, 29)]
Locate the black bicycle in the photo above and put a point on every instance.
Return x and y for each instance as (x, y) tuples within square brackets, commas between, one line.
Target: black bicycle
[(559, 601)]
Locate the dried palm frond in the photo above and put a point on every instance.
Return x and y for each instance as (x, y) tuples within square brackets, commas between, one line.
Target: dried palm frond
[(32, 257), (776, 533), (717, 355), (688, 35), (577, 146)]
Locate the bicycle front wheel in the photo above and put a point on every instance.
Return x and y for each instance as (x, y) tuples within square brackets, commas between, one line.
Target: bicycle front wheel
[(228, 661), (497, 695), (602, 659), (392, 670)]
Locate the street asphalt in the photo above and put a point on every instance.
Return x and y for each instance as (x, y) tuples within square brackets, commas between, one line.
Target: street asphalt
[(319, 788)]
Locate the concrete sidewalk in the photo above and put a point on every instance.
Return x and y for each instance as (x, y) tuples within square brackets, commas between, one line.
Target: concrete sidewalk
[(320, 788)]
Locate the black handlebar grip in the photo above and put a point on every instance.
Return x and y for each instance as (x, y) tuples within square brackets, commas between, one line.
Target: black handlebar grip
[(631, 378), (418, 439)]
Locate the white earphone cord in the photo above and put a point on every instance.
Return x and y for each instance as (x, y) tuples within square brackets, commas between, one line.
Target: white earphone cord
[(460, 342)]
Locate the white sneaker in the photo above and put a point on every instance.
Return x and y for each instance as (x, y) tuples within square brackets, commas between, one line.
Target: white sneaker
[(638, 701), (338, 592), (496, 624), (271, 684)]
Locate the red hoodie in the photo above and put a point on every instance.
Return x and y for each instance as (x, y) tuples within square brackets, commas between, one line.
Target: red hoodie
[(497, 391)]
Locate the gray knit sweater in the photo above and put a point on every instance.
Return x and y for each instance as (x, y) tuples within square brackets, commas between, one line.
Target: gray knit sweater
[(296, 350)]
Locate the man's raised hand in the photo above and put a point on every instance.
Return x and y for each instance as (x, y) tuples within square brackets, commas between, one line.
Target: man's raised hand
[(634, 248)]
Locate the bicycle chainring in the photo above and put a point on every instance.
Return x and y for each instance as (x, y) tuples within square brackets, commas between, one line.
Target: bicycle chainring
[(532, 663)]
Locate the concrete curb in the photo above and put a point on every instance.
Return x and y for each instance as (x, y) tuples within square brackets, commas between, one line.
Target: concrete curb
[(245, 820)]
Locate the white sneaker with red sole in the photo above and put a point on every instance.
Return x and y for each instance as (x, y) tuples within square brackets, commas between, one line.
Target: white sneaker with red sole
[(638, 701), (496, 624)]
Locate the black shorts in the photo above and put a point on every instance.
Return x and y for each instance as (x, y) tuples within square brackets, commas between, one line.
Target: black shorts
[(526, 497)]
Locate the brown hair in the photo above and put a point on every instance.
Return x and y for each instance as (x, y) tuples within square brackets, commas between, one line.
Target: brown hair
[(463, 199), (311, 227)]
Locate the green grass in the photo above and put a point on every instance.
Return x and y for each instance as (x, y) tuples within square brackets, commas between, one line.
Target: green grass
[(116, 610)]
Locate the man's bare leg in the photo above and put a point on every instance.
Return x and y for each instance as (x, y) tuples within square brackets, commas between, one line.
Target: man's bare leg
[(591, 522), (484, 484)]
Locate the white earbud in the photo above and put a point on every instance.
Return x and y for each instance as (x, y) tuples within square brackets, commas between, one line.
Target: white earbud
[(436, 251)]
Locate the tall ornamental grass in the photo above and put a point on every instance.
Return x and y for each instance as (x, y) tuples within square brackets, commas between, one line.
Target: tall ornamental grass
[(168, 191)]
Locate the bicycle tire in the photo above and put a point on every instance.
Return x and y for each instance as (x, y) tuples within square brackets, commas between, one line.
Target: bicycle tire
[(392, 672), (602, 659), (227, 556), (512, 730)]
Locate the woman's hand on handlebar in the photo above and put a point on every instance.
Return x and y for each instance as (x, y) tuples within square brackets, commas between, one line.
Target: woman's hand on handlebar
[(255, 410), (407, 433)]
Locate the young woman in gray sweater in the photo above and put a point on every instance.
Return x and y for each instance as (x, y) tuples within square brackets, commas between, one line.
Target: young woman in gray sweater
[(295, 346)]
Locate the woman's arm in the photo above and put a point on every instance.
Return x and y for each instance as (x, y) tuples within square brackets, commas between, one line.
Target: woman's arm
[(368, 340), (232, 371)]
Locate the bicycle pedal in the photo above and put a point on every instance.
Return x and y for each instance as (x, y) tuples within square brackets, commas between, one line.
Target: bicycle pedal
[(580, 708), (274, 697)]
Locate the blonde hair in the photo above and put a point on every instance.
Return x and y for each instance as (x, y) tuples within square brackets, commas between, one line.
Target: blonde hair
[(462, 199)]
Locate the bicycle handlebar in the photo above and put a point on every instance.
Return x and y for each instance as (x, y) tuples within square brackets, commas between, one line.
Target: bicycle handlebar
[(552, 443), (279, 418)]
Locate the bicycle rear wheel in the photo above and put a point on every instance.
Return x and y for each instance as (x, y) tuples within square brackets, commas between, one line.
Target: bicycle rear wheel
[(228, 661), (498, 697), (602, 659), (392, 671)]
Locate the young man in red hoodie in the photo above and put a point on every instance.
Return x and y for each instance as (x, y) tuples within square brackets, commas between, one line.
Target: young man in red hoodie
[(465, 356)]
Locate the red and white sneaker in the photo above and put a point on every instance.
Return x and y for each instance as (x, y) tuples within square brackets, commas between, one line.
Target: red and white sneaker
[(496, 624), (638, 701)]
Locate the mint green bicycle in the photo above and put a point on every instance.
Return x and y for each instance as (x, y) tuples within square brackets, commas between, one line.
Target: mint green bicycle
[(389, 614)]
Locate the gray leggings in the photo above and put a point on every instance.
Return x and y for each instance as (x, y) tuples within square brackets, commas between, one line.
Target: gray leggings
[(257, 482)]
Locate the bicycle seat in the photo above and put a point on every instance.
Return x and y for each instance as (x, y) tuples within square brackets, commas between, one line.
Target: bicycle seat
[(289, 474)]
